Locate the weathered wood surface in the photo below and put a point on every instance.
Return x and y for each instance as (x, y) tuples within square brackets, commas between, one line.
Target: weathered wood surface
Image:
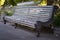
[(28, 15)]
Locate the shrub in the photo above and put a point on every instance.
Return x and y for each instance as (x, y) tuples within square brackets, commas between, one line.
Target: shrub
[(57, 18), (0, 12), (9, 13)]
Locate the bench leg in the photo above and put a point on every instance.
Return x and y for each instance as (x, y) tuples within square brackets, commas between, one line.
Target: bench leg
[(52, 29), (38, 33), (37, 30), (16, 25), (4, 20)]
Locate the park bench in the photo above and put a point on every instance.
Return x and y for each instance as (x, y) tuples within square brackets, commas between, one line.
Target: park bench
[(32, 16)]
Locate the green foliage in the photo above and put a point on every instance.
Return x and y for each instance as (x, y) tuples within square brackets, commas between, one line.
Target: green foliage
[(17, 1), (11, 2), (0, 12), (9, 13), (57, 18)]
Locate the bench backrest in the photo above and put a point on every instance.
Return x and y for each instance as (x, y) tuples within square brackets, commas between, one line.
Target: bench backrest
[(34, 13)]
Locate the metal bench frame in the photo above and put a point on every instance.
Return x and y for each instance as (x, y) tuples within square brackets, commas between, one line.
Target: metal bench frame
[(39, 24)]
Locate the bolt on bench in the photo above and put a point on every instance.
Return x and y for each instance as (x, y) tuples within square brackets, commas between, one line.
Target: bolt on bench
[(32, 16)]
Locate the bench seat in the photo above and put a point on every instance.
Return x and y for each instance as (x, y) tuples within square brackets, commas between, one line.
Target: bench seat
[(20, 20), (32, 16), (29, 15)]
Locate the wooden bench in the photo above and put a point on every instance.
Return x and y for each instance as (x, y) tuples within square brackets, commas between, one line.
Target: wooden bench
[(32, 16)]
